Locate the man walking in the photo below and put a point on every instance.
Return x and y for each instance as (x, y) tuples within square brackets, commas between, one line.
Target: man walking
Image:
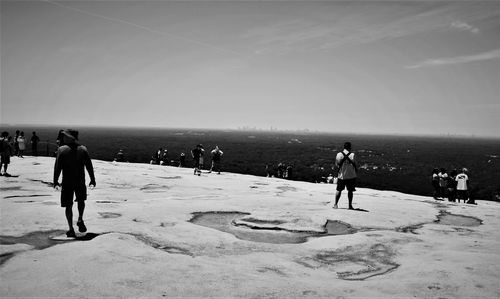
[(347, 174), (72, 159)]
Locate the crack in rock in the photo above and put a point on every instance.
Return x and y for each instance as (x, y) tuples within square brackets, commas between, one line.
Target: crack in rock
[(164, 247)]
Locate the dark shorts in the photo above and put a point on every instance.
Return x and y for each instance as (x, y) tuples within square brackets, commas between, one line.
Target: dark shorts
[(350, 184), (67, 192), (4, 158)]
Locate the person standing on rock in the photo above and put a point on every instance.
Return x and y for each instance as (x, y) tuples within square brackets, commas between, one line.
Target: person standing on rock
[(216, 159), (197, 154), (347, 174), (462, 180), (34, 144), (5, 153), (21, 143), (72, 159)]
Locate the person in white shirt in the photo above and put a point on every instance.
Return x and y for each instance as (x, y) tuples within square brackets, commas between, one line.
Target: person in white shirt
[(347, 174), (462, 180)]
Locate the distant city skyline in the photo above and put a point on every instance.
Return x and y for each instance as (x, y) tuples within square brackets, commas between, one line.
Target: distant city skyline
[(397, 67)]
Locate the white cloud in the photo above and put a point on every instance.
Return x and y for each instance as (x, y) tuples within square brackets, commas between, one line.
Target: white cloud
[(490, 55), (464, 27)]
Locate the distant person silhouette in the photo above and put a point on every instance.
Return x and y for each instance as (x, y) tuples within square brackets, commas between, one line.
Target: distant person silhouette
[(452, 185), (158, 156), (289, 172), (216, 159), (164, 158), (21, 142), (16, 143), (347, 174), (34, 144), (182, 160), (443, 183), (72, 159), (120, 156), (5, 153), (435, 183), (197, 154)]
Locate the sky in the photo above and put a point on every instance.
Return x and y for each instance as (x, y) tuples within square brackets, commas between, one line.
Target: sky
[(393, 67)]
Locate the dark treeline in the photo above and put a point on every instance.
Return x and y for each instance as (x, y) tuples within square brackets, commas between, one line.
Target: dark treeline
[(396, 163)]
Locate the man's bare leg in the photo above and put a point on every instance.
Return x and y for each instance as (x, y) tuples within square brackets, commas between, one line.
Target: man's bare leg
[(350, 195), (69, 217), (81, 209), (337, 198)]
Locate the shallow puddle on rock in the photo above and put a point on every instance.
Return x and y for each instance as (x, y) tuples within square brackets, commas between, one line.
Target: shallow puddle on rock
[(259, 231), (459, 220)]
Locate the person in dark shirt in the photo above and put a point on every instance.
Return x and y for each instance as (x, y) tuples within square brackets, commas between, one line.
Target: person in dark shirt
[(216, 159), (197, 154), (72, 159), (34, 144)]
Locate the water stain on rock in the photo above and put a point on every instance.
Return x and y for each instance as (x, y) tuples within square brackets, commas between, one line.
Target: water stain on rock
[(458, 220), (109, 215), (271, 269), (286, 188), (354, 264), (13, 188), (50, 184), (251, 229), (165, 247), (170, 177), (410, 228), (154, 188), (27, 195)]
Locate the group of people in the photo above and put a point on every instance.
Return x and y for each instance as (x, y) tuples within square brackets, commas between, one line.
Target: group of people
[(72, 159), (15, 146), (282, 171), (197, 154), (453, 186), (160, 157)]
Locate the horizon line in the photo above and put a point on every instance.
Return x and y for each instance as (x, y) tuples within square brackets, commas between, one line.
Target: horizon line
[(259, 130)]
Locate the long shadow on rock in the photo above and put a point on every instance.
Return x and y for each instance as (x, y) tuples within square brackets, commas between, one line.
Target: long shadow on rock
[(39, 240)]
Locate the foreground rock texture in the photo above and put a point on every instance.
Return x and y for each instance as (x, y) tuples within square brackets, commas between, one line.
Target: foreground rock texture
[(161, 231)]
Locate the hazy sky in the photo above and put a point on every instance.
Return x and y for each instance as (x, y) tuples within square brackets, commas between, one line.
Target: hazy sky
[(417, 67)]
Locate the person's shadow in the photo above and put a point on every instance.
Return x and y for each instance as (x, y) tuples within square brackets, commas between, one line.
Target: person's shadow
[(87, 237), (358, 209)]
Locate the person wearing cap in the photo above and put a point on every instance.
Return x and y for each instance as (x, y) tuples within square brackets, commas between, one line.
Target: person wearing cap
[(72, 159)]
